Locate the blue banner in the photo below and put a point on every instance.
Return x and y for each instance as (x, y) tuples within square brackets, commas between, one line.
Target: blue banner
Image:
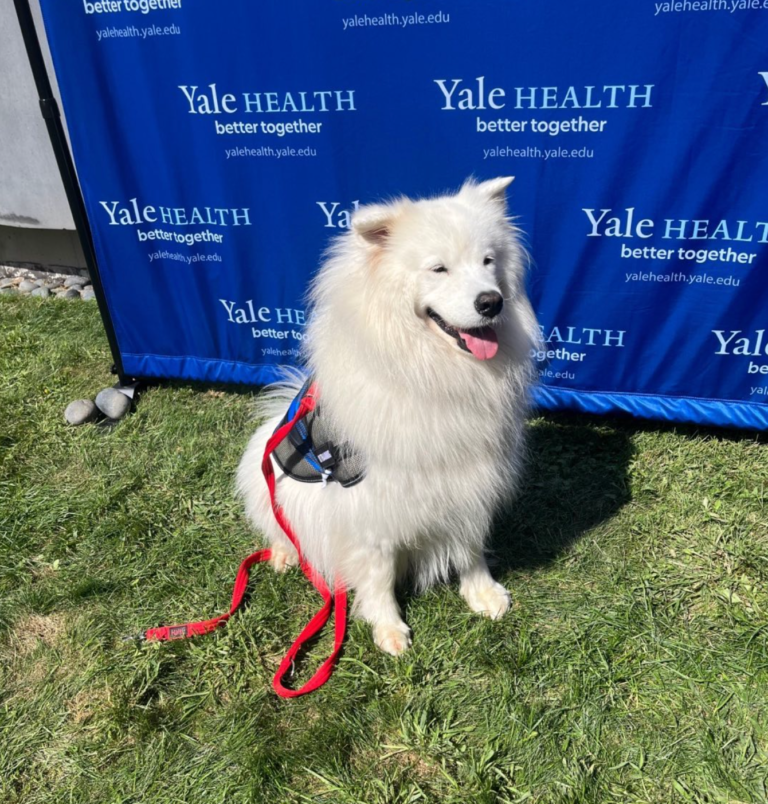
[(220, 145)]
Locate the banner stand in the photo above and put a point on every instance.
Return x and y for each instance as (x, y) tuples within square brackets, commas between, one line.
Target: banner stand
[(52, 116), (207, 177)]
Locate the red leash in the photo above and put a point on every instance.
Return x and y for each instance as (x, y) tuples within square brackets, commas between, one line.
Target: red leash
[(336, 602)]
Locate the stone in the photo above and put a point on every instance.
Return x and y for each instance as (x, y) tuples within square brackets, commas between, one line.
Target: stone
[(70, 293), (43, 292), (8, 291), (112, 403), (80, 411), (27, 285), (7, 282), (88, 294), (74, 280)]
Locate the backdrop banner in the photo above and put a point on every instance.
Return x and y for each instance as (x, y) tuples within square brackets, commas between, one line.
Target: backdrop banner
[(220, 145)]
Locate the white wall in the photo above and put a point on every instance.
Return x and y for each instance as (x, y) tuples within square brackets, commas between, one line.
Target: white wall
[(31, 192)]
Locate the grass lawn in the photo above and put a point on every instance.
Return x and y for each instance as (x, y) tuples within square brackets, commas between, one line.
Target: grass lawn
[(633, 666)]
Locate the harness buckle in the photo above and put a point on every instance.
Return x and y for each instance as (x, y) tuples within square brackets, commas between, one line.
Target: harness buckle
[(326, 456)]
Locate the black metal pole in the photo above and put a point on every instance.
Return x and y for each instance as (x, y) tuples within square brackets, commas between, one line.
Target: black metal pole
[(50, 110)]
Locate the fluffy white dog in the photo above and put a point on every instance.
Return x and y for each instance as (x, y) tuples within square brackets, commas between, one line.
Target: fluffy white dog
[(419, 341)]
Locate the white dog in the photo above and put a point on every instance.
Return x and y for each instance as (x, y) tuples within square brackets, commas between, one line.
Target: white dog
[(418, 340)]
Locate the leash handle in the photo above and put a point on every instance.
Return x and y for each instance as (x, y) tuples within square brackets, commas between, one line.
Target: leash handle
[(167, 633), (336, 603)]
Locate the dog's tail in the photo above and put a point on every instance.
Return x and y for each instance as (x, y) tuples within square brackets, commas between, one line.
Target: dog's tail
[(274, 400)]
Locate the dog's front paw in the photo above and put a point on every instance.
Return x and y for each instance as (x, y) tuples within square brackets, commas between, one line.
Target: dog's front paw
[(392, 639), (492, 600), (282, 557)]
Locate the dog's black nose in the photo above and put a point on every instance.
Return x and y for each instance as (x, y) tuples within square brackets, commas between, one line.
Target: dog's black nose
[(489, 304)]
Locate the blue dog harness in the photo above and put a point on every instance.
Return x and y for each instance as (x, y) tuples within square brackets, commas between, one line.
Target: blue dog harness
[(311, 453)]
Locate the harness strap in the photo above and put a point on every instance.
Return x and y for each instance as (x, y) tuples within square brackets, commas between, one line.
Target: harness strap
[(336, 602)]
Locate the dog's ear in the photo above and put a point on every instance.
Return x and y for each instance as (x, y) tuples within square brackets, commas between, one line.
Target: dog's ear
[(374, 222), (495, 189)]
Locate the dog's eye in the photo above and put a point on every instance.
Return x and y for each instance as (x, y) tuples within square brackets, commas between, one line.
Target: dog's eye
[(488, 260), (440, 269)]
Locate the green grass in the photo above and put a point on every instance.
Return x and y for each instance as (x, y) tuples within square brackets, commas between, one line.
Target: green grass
[(633, 666)]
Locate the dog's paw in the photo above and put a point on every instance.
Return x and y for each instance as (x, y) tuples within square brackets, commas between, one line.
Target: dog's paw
[(392, 639), (491, 600), (282, 557)]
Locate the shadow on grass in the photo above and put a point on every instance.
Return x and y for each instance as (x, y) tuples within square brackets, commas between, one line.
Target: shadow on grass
[(575, 478)]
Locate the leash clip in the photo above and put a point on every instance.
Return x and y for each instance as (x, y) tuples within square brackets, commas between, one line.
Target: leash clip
[(140, 637)]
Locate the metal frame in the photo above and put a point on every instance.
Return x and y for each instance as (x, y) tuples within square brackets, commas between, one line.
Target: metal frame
[(49, 108)]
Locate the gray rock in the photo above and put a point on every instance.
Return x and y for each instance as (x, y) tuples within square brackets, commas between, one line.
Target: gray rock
[(69, 293), (88, 294), (41, 292), (8, 282), (74, 280), (28, 285), (112, 403), (8, 291), (80, 411)]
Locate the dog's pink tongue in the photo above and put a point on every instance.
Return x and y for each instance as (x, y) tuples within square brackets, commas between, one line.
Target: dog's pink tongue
[(483, 343)]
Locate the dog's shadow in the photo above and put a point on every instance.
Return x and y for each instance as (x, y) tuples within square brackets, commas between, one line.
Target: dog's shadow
[(575, 477)]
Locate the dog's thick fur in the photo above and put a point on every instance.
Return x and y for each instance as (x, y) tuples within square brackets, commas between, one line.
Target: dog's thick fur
[(441, 430)]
